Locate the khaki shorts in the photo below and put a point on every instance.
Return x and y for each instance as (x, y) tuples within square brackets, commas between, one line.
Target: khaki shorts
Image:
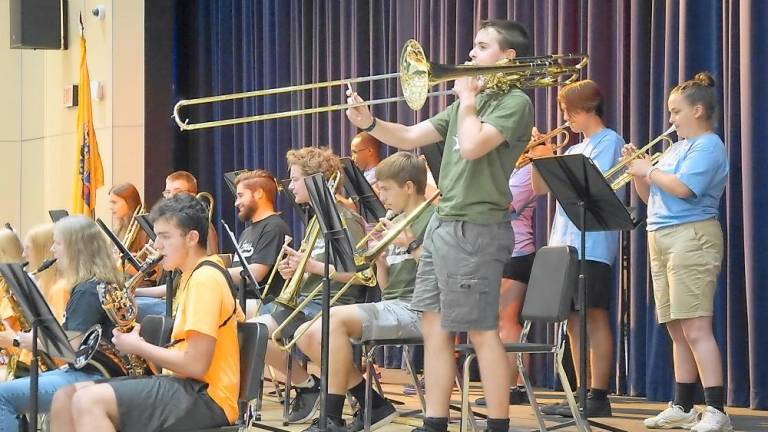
[(685, 261)]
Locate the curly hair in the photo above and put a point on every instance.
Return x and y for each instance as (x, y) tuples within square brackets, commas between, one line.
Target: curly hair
[(313, 160)]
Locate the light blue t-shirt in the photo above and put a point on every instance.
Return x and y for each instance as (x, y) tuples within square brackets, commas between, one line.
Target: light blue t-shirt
[(701, 163), (604, 148)]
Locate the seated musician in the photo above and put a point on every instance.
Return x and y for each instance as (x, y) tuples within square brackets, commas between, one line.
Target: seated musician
[(37, 249), (124, 202), (182, 181), (203, 359), (302, 163), (84, 260), (262, 240), (149, 298), (402, 180)]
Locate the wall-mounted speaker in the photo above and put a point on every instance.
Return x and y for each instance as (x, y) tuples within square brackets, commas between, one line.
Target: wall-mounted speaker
[(39, 24)]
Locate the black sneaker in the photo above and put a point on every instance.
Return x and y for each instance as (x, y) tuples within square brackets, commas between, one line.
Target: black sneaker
[(306, 403), (380, 416), (557, 408), (516, 397), (595, 408), (332, 426)]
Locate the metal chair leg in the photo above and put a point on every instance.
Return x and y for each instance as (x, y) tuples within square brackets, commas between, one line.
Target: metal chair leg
[(287, 400), (529, 391), (467, 416), (368, 388), (415, 378), (581, 425)]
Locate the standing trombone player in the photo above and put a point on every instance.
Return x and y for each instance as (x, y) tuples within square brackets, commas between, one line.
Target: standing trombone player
[(469, 238)]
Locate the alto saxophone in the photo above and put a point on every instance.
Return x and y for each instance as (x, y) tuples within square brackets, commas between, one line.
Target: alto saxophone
[(44, 362), (119, 302)]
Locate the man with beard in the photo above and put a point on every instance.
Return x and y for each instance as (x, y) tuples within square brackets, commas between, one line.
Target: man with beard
[(263, 238)]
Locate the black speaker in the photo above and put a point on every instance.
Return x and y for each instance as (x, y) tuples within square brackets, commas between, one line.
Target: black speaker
[(39, 24)]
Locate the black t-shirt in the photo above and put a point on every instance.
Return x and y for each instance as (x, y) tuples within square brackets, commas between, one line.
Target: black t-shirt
[(84, 309), (260, 243)]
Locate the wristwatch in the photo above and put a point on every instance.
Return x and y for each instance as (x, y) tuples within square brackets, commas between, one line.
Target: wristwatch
[(17, 340), (413, 246)]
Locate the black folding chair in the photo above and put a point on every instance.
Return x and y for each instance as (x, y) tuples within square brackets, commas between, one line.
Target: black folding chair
[(548, 298)]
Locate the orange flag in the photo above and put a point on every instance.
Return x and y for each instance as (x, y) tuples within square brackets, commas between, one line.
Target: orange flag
[(89, 173)]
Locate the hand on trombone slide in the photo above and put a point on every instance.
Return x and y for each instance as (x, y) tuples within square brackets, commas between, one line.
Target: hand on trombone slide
[(360, 116), (403, 240)]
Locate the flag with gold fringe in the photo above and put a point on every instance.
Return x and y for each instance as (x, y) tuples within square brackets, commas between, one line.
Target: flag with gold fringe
[(89, 174)]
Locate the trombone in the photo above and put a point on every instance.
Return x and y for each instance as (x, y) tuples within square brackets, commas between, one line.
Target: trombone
[(417, 75), (554, 133), (626, 177), (389, 216), (207, 200), (365, 276)]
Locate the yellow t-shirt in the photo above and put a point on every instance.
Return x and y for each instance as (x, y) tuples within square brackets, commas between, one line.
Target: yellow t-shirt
[(204, 302)]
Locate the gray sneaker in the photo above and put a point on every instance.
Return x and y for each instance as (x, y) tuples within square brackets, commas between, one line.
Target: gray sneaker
[(305, 405)]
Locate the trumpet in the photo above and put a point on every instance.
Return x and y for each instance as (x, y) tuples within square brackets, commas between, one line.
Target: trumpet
[(417, 75), (523, 160), (366, 276), (626, 177)]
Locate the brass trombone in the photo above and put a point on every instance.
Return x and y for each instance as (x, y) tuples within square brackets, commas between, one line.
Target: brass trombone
[(560, 130), (626, 177), (363, 277), (207, 200), (389, 216), (417, 75)]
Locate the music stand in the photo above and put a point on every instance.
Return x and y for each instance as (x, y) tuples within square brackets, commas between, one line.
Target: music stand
[(245, 274), (45, 327), (125, 254), (229, 179), (589, 202), (146, 225), (338, 247), (359, 190), (58, 214), (302, 210)]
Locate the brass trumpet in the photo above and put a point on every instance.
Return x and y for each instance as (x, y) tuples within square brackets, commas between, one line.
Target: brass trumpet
[(363, 277), (554, 133), (417, 75), (626, 177)]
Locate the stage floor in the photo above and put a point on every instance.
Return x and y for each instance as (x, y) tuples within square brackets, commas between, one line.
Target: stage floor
[(628, 412)]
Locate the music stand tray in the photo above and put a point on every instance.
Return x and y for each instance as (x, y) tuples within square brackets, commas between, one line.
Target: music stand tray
[(589, 202), (57, 214)]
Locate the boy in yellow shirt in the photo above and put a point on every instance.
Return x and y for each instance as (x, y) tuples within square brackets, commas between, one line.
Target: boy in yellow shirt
[(201, 388)]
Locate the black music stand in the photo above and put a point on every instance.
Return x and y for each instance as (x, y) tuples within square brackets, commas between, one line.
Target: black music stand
[(246, 275), (302, 210), (360, 191), (590, 203), (338, 247), (146, 225), (125, 255), (58, 214), (229, 179), (45, 328)]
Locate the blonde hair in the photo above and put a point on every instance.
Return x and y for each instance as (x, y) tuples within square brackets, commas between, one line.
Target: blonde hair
[(10, 246), (38, 243), (87, 253)]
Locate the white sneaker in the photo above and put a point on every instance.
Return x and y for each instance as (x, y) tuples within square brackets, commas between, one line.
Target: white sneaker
[(673, 418), (713, 420)]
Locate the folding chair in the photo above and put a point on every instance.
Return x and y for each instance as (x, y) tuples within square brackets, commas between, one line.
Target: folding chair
[(253, 346), (548, 298)]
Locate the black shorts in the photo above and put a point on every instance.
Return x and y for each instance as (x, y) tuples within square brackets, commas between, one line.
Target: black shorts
[(153, 403), (519, 268), (599, 277)]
